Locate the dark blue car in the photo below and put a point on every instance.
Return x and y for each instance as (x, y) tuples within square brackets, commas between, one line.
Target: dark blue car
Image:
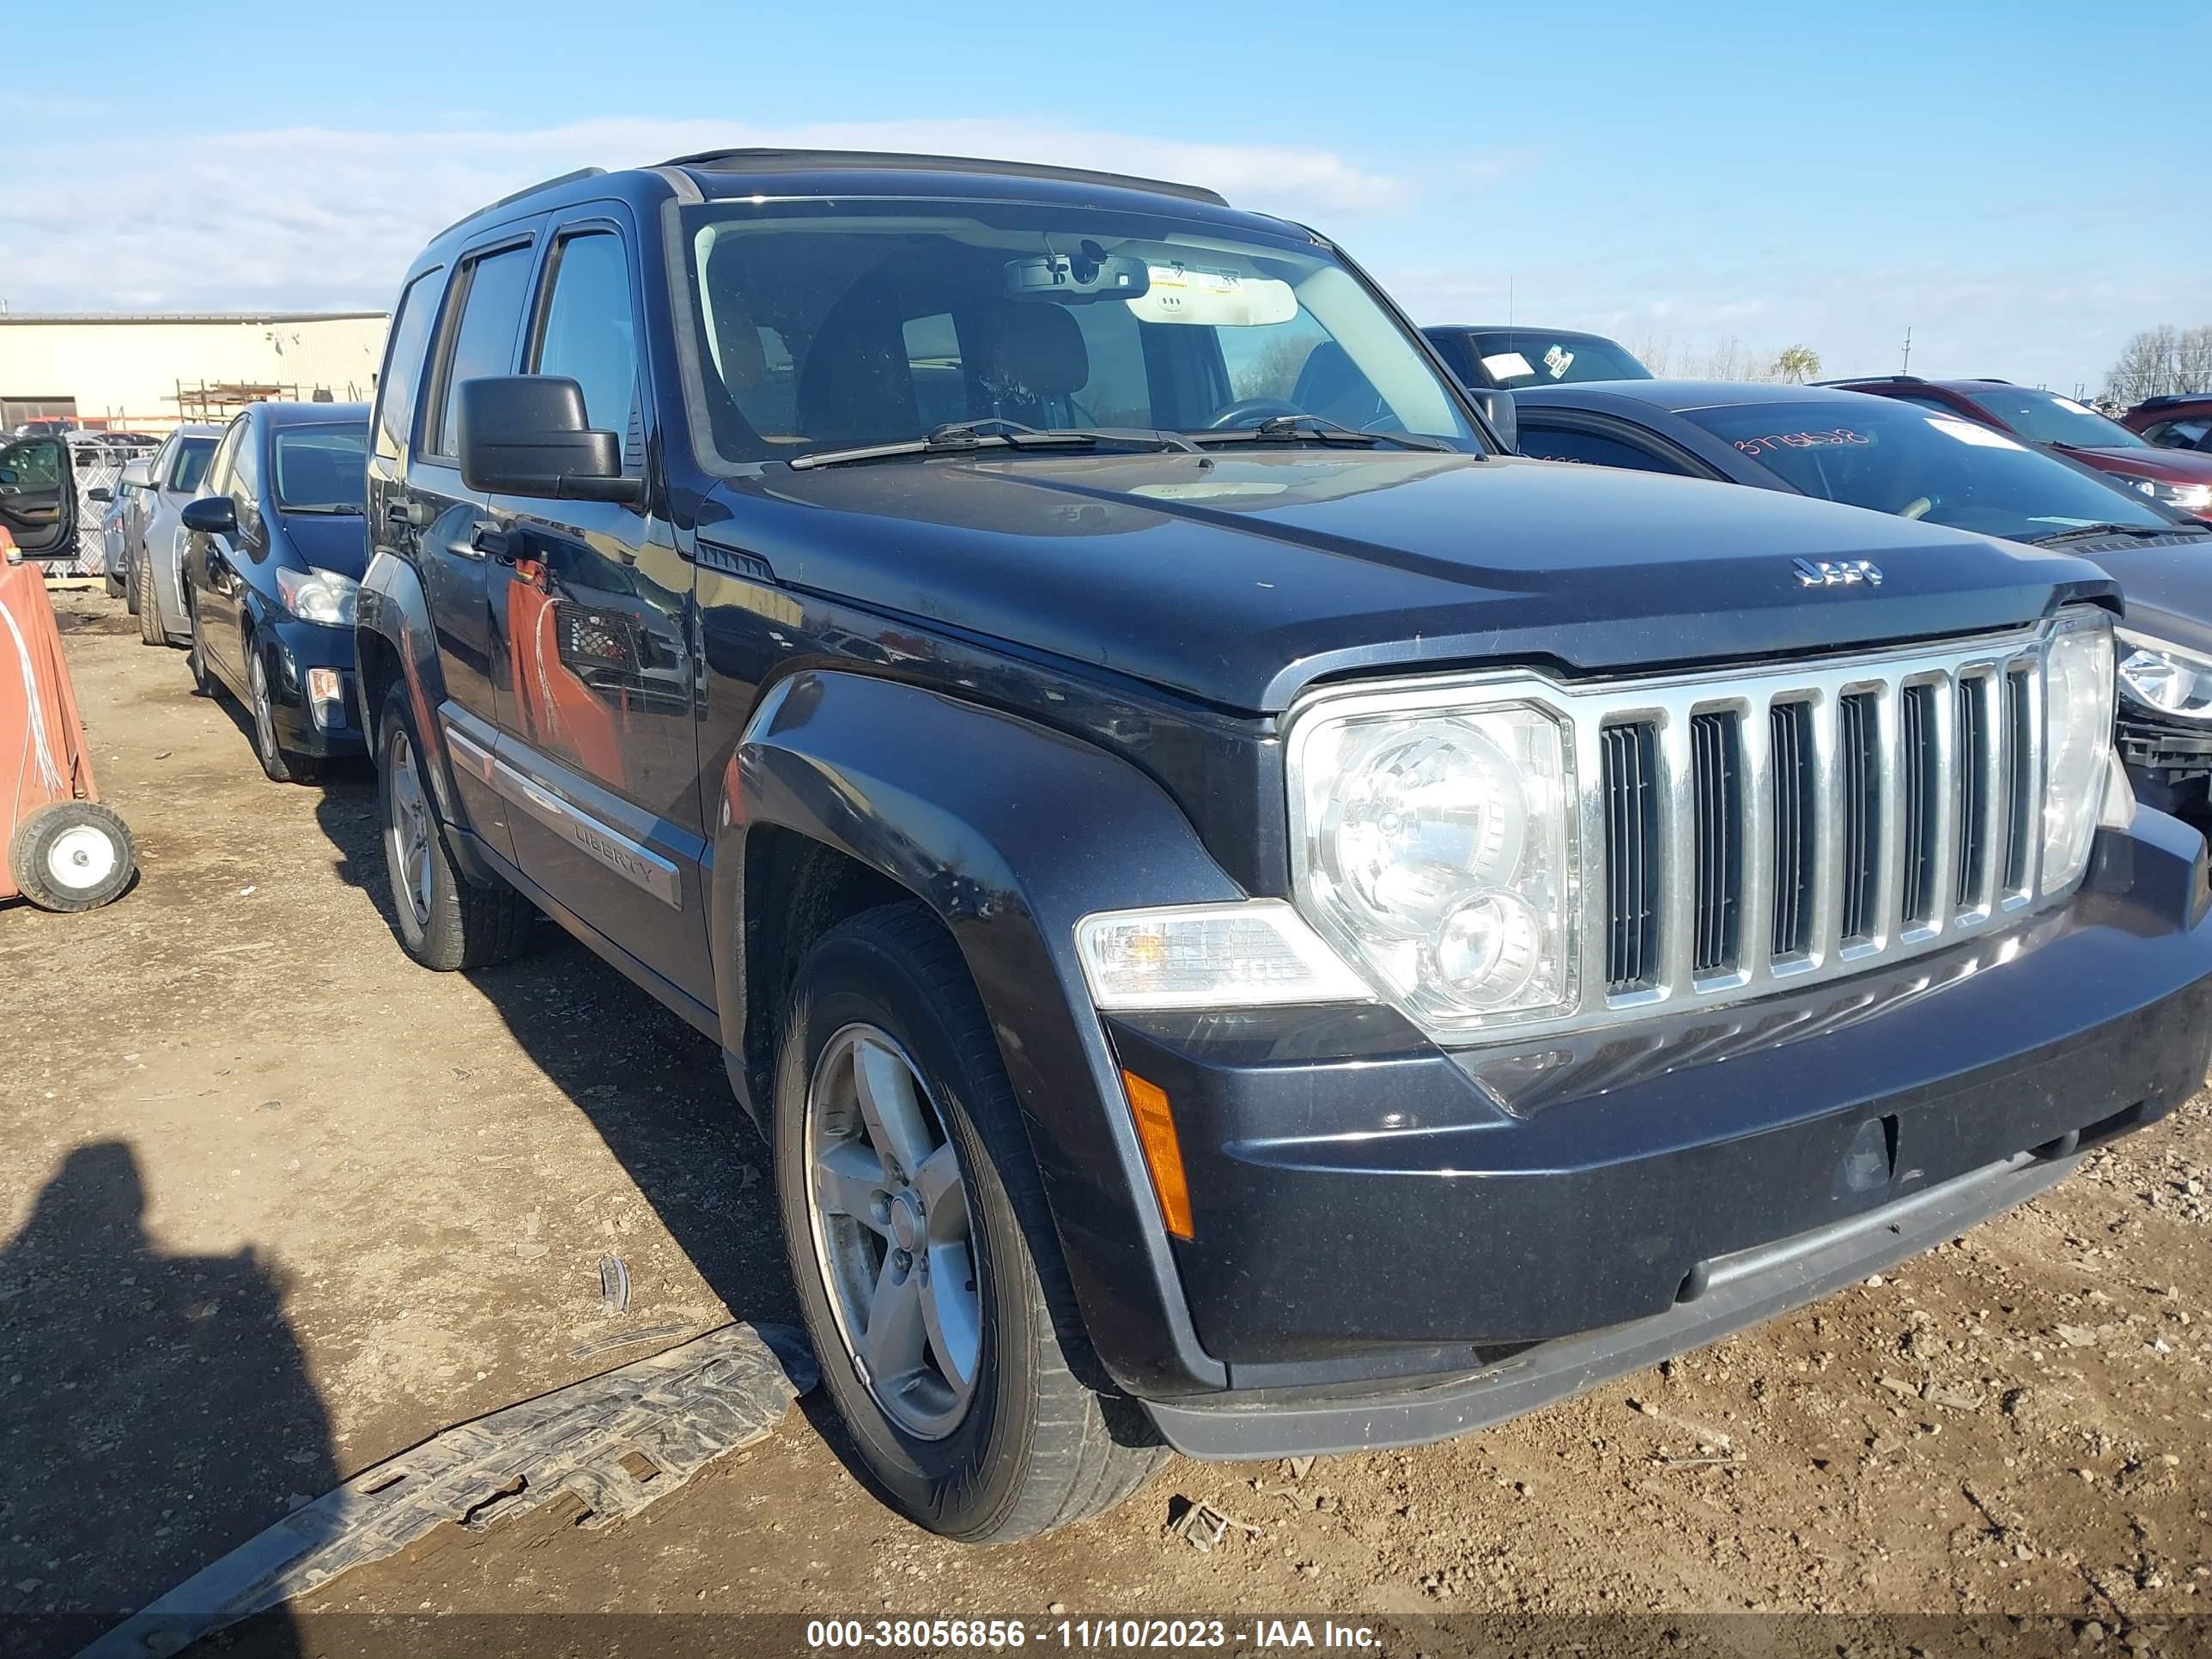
[(273, 552)]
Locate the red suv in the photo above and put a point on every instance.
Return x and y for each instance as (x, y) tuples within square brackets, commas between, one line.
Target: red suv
[(2180, 419), (2179, 478)]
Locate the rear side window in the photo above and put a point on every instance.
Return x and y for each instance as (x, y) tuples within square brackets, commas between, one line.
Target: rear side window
[(589, 334), (189, 466), (493, 291), (403, 364)]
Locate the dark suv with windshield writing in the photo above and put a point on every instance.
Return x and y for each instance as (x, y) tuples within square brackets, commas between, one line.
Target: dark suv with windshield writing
[(1251, 918)]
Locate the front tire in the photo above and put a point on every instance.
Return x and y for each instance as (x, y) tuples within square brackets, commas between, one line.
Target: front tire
[(281, 764), (72, 855), (445, 921), (927, 1266)]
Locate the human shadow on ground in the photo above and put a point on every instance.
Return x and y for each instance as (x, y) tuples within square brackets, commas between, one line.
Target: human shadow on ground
[(158, 1411)]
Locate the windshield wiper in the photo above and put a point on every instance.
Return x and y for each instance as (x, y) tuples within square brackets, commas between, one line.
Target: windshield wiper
[(2133, 532), (333, 509), (1313, 428), (963, 437)]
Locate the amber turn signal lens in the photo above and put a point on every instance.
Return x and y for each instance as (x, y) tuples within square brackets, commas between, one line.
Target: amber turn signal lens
[(1156, 1132)]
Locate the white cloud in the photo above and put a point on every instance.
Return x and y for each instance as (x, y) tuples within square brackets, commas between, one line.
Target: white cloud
[(315, 217)]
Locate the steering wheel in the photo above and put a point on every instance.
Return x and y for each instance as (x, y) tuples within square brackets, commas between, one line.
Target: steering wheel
[(1918, 507), (1250, 411)]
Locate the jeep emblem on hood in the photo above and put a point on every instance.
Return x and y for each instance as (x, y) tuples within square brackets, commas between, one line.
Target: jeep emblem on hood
[(1837, 573)]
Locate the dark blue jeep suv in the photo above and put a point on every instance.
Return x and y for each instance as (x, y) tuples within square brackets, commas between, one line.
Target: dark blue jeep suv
[(1252, 918)]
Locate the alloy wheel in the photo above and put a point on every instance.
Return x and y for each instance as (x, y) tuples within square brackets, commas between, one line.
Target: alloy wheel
[(407, 832), (888, 1208)]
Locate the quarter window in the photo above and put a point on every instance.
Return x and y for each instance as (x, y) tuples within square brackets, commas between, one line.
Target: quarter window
[(403, 364), (493, 290), (589, 333)]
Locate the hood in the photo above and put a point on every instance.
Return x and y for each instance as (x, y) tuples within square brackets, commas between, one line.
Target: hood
[(2167, 591), (2166, 465), (329, 541), (1238, 578)]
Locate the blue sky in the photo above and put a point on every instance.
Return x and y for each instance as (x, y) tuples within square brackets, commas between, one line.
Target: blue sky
[(1681, 176)]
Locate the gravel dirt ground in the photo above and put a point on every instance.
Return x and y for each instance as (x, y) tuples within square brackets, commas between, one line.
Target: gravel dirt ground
[(279, 1204)]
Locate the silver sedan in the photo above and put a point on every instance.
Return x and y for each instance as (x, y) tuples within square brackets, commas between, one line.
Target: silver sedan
[(153, 534)]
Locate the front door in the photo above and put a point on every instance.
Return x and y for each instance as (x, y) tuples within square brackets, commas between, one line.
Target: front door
[(447, 525), (593, 620), (38, 497)]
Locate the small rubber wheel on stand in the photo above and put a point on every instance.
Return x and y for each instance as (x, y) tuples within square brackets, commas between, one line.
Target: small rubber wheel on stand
[(72, 855)]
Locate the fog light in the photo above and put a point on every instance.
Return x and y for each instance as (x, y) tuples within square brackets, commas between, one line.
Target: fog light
[(326, 697)]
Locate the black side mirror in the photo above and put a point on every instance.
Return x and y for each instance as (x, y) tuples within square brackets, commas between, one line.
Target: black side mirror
[(525, 434), (1496, 406), (211, 515), (100, 493)]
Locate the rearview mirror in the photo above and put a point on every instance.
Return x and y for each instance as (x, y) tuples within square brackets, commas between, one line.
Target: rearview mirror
[(525, 434), (211, 515), (1496, 406)]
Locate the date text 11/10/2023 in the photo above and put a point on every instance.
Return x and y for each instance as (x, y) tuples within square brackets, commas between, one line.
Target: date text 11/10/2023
[(1083, 1635)]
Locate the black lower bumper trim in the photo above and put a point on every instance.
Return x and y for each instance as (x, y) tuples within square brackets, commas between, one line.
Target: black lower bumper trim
[(1740, 1290)]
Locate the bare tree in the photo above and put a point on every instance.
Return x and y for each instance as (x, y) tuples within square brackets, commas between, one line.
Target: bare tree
[(2192, 359), (1795, 365), (2148, 366)]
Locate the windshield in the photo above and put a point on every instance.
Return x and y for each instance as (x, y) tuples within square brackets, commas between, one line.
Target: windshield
[(1523, 357), (1946, 470), (821, 327), (2045, 417), (321, 469), (190, 466)]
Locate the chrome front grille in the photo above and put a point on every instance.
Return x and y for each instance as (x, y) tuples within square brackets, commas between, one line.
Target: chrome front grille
[(1792, 824)]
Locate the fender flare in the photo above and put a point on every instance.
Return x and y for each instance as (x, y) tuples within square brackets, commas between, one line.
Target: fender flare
[(391, 606), (1010, 833)]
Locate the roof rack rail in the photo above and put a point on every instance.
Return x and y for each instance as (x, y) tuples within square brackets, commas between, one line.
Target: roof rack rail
[(569, 177), (2167, 400), (767, 159), (1890, 380)]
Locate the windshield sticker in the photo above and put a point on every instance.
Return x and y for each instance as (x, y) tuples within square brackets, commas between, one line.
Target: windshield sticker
[(1508, 365), (1215, 299), (1971, 432), (1558, 359), (1835, 438)]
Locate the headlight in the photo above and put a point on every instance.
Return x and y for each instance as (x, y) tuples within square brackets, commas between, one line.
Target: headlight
[(2077, 724), (1434, 848), (2190, 498), (318, 596), (2164, 678)]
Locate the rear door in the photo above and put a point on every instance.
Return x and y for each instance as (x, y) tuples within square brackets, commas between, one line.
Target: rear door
[(591, 608), (38, 497)]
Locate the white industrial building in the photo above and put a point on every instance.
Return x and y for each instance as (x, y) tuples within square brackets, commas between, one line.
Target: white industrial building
[(144, 373)]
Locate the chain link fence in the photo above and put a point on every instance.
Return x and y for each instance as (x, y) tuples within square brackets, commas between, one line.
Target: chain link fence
[(97, 463)]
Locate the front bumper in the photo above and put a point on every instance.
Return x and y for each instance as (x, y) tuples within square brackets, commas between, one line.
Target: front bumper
[(304, 725), (2169, 761), (1393, 1243)]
